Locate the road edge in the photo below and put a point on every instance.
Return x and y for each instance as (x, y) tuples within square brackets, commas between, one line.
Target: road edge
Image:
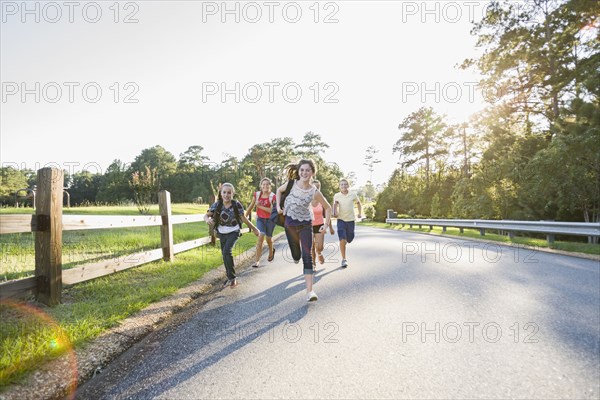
[(593, 257), (56, 378)]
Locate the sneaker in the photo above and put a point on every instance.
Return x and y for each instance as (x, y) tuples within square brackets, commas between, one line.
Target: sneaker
[(227, 283), (233, 283), (312, 296), (344, 263), (296, 261), (255, 265)]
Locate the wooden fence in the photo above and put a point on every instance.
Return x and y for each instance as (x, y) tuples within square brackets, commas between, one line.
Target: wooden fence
[(48, 223)]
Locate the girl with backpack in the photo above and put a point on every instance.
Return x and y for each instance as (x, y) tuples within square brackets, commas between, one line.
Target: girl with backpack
[(263, 200), (226, 215), (298, 216)]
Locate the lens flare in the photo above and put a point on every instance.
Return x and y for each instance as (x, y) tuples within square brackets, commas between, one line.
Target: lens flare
[(57, 345)]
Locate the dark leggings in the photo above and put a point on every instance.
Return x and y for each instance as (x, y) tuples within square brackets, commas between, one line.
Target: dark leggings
[(300, 241), (228, 240)]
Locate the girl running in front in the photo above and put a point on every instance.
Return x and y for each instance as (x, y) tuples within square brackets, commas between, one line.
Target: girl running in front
[(263, 200), (318, 234), (227, 215), (298, 216)]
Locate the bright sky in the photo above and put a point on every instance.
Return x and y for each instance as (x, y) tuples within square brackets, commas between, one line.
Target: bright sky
[(82, 87)]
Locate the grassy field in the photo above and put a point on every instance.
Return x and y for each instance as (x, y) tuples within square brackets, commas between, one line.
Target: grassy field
[(578, 247), (32, 334), (80, 247), (180, 208)]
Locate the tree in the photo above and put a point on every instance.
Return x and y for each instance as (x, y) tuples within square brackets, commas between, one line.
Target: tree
[(145, 186), (470, 200), (281, 152), (269, 159), (371, 160), (113, 186), (312, 146), (158, 160), (564, 178), (369, 212), (11, 180), (258, 158), (534, 153), (422, 138), (228, 170), (244, 189), (436, 211), (369, 191), (403, 194), (466, 149), (191, 159), (84, 187), (329, 174), (534, 58), (508, 146)]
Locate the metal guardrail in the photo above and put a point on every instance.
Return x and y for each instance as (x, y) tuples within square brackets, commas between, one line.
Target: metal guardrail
[(550, 228)]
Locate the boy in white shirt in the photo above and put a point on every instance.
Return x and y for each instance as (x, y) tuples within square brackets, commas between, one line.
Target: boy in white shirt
[(343, 209)]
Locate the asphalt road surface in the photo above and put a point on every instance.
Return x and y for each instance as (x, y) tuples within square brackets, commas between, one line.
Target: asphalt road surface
[(413, 316)]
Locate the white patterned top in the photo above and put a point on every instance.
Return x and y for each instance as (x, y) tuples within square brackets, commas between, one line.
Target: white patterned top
[(297, 204)]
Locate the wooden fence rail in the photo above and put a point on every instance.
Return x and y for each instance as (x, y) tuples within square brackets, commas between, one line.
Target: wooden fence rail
[(48, 223), (28, 223)]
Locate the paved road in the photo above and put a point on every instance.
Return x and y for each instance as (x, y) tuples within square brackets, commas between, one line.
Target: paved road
[(413, 316)]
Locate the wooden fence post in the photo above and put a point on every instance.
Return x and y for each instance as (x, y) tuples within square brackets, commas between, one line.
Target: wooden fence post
[(166, 229), (48, 235)]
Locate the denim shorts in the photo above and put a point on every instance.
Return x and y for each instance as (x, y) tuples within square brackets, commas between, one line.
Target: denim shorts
[(345, 230), (265, 226)]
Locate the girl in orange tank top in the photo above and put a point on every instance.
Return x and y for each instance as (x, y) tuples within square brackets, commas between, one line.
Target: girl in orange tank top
[(317, 223)]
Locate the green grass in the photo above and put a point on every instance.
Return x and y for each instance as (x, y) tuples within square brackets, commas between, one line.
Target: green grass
[(32, 334), (81, 247), (578, 247), (28, 339), (179, 208)]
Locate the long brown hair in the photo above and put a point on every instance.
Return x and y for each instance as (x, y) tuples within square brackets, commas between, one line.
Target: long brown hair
[(292, 169)]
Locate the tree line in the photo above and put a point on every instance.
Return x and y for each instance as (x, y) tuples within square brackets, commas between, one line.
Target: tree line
[(534, 152), (191, 177)]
